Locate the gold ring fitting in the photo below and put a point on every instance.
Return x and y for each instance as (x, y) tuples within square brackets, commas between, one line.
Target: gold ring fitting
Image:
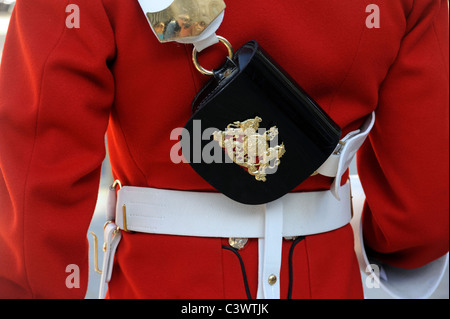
[(116, 182), (202, 69)]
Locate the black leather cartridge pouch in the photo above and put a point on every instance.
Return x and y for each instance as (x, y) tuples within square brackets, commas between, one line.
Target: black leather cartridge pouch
[(255, 134)]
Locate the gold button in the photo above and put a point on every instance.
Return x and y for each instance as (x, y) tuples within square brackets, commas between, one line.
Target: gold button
[(237, 243), (272, 280)]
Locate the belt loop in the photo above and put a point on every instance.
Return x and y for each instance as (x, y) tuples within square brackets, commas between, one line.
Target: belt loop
[(269, 249), (112, 236), (348, 152), (124, 217), (111, 200)]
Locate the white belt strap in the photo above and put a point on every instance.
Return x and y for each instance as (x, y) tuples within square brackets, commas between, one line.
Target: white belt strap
[(111, 236), (269, 252), (339, 161), (205, 214)]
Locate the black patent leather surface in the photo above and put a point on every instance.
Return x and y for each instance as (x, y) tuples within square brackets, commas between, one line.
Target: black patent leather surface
[(250, 85)]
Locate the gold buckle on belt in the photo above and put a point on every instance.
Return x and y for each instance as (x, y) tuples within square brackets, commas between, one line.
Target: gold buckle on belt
[(96, 252), (96, 267)]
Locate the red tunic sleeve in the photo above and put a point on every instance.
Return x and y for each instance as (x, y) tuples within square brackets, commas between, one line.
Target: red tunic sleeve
[(404, 165), (55, 95)]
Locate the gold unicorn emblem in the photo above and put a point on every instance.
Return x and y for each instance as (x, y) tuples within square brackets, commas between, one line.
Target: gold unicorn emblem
[(249, 149)]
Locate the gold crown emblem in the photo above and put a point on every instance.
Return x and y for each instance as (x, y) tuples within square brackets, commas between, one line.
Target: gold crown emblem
[(246, 147)]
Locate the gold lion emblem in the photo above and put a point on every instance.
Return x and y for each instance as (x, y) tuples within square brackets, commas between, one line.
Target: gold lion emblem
[(249, 149)]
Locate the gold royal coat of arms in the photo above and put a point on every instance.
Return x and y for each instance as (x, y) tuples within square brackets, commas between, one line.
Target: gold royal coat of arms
[(245, 146)]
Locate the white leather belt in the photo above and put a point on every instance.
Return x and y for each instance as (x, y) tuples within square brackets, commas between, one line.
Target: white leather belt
[(201, 214), (169, 212)]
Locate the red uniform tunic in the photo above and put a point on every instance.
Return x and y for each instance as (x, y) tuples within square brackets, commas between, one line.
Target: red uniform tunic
[(60, 87)]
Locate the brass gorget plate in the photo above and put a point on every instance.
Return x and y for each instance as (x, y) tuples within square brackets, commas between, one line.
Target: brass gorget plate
[(246, 146), (184, 19)]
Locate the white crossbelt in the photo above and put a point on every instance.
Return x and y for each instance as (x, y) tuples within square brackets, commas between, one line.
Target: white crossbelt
[(206, 214)]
